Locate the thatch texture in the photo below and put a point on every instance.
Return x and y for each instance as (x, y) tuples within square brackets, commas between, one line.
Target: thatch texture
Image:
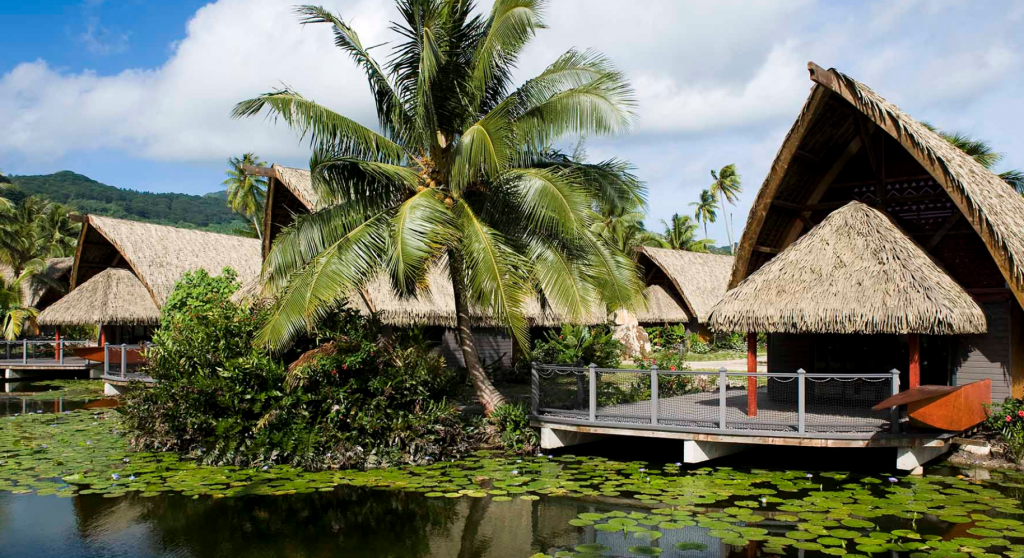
[(299, 182), (700, 278), (112, 297), (33, 290), (160, 255), (993, 209), (855, 272), (662, 308)]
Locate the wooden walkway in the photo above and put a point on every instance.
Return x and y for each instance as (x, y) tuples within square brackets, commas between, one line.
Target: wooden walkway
[(47, 363)]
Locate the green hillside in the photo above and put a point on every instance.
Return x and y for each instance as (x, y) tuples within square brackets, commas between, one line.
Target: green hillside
[(208, 212)]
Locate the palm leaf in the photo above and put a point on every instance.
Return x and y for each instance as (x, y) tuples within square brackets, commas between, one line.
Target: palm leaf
[(421, 228)]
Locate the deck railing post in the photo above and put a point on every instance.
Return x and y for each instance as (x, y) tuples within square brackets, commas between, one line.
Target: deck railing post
[(124, 361), (592, 380), (801, 400), (654, 394), (534, 389), (723, 383), (894, 412), (24, 351), (60, 347), (106, 360)]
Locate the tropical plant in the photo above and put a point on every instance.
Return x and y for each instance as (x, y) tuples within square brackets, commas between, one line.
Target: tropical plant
[(247, 192), (5, 186), (1007, 419), (622, 228), (15, 311), (57, 232), (514, 430), (726, 187), (681, 232), (705, 210), (458, 177), (580, 346), (982, 152)]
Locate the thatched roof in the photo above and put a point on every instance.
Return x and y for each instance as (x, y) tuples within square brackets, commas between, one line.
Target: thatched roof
[(662, 307), (35, 289), (160, 255), (855, 272), (112, 297), (299, 182), (993, 209), (700, 278)]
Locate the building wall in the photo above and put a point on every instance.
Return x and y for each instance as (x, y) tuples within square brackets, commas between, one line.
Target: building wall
[(987, 355), (492, 345)]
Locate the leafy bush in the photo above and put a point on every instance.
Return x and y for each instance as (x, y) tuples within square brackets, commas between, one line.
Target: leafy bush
[(665, 359), (637, 387), (79, 332), (731, 341), (580, 346), (355, 399), (515, 433), (697, 346), (667, 337), (1007, 419)]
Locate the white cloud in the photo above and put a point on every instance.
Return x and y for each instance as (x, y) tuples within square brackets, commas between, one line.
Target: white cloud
[(233, 50), (101, 40)]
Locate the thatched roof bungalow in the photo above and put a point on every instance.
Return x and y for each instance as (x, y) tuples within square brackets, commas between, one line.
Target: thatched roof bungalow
[(124, 271), (46, 287), (859, 293), (682, 286)]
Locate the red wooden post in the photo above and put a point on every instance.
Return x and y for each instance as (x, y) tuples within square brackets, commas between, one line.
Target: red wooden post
[(103, 336), (751, 368), (914, 344), (56, 346)]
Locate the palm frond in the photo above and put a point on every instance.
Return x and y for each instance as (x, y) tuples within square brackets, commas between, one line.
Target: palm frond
[(494, 272), (328, 131), (553, 200), (561, 279), (420, 229), (483, 150), (339, 178), (510, 26), (393, 116)]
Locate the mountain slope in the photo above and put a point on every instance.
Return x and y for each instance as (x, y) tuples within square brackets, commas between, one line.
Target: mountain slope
[(209, 212)]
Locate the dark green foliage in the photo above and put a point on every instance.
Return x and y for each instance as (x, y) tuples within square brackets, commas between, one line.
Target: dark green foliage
[(515, 433), (579, 345), (86, 195), (357, 399), (1007, 419), (667, 337), (631, 387)]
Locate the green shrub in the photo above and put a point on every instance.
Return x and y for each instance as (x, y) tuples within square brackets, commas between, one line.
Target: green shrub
[(697, 346), (514, 430), (580, 346), (1007, 419), (357, 399), (667, 337)]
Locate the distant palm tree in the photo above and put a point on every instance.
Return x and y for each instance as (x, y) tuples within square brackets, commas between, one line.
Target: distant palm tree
[(15, 313), (457, 175), (681, 233), (20, 234), (726, 188), (982, 152), (705, 212), (5, 186), (623, 229), (246, 192), (57, 232)]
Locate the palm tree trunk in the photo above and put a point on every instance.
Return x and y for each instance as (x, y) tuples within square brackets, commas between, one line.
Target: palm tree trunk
[(486, 393), (255, 225), (728, 230)]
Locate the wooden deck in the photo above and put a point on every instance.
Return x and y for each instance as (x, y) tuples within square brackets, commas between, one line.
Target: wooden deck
[(48, 363)]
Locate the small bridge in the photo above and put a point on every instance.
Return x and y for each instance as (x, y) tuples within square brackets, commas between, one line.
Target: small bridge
[(718, 413)]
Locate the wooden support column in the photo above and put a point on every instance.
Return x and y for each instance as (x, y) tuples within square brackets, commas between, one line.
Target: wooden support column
[(103, 336), (914, 344), (56, 345), (752, 368)]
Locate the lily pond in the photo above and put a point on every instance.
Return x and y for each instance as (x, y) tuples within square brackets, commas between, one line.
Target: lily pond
[(69, 488)]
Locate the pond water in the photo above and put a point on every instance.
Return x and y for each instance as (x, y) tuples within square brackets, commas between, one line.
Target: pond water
[(51, 396), (68, 488)]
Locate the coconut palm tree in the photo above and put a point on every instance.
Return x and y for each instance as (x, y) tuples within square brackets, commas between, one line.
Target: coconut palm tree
[(622, 228), (457, 177), (15, 313), (681, 233), (5, 186), (57, 232), (246, 192), (705, 212), (20, 239), (982, 152), (726, 187)]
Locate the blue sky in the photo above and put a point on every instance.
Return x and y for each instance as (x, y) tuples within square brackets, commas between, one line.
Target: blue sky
[(136, 94)]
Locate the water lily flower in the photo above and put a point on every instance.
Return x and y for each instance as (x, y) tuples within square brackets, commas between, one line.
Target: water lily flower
[(115, 476), (764, 501), (894, 479), (642, 469), (45, 446), (131, 478), (515, 472), (126, 460), (519, 460), (88, 443), (265, 467), (678, 464), (810, 475), (550, 456)]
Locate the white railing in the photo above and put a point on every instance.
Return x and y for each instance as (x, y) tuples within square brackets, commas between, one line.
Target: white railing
[(786, 404), (25, 350), (121, 353)]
